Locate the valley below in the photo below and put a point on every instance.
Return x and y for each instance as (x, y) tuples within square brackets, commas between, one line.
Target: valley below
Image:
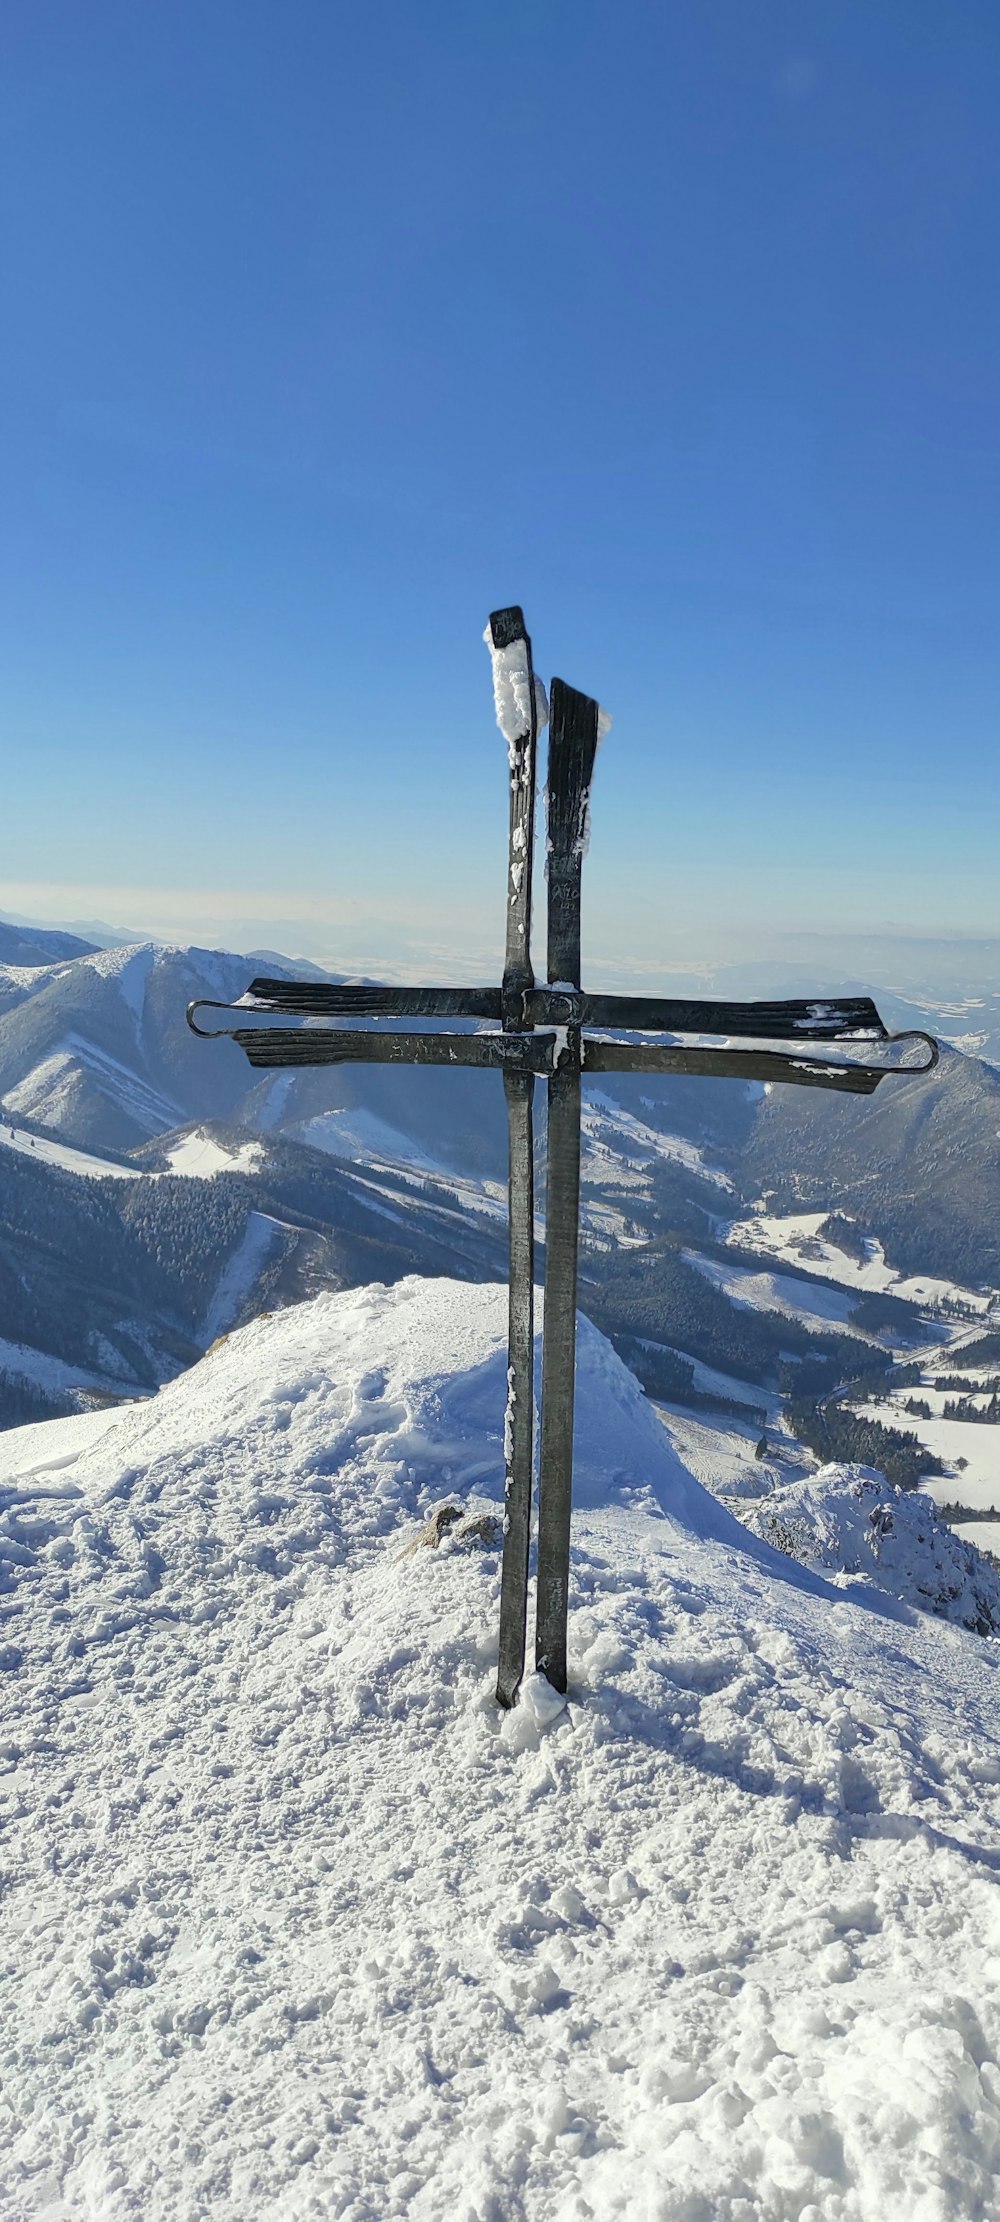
[(795, 1280)]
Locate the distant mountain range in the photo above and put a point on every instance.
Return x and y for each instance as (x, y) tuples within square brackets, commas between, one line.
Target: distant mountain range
[(34, 946), (155, 1191)]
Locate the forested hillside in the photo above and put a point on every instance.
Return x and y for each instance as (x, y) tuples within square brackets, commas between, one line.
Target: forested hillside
[(918, 1164)]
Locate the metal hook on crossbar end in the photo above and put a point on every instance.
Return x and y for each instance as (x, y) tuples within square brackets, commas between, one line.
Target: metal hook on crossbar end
[(914, 1034), (208, 1033)]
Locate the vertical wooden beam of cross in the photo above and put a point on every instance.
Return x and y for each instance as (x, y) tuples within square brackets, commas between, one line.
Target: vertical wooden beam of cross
[(573, 735), (514, 672), (544, 1031), (572, 750)]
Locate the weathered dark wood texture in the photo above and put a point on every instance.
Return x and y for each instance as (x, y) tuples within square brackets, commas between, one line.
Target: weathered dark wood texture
[(535, 1053), (519, 1418), (330, 1045), (838, 1018), (572, 751), (508, 632), (330, 999)]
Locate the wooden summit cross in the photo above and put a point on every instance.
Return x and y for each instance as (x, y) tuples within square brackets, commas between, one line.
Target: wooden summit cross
[(562, 1033)]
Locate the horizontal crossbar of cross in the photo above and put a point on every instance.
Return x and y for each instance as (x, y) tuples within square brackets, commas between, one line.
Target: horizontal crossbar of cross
[(816, 1020), (540, 1052)]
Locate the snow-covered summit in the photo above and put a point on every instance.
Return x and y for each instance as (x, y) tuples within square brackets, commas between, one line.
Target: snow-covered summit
[(98, 1050), (305, 1927)]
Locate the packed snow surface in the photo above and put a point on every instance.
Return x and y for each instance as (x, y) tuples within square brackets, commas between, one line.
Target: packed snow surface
[(300, 1926), (849, 1518)]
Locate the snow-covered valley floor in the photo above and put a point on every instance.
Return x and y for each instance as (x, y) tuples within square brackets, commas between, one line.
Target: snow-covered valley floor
[(298, 1926)]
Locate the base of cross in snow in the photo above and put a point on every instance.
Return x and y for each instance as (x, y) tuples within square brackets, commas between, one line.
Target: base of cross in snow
[(302, 1926)]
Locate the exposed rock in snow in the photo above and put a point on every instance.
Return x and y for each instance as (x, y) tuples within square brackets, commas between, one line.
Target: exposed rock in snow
[(445, 1525), (300, 1926)]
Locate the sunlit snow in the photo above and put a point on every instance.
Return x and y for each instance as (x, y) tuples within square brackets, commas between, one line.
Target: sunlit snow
[(300, 1926), (199, 1156)]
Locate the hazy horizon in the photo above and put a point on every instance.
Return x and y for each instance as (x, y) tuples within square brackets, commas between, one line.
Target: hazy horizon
[(380, 948)]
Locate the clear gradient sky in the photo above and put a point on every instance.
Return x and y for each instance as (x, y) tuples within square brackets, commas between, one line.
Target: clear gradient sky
[(329, 327)]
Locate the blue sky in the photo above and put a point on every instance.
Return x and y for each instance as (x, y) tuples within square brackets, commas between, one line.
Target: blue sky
[(328, 328)]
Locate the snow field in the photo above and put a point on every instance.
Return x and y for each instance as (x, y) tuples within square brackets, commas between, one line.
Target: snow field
[(240, 1273), (302, 1927), (200, 1156), (27, 1364), (796, 1236), (357, 1134), (985, 1534), (195, 1154), (47, 1152), (978, 1443), (719, 1450), (814, 1308)]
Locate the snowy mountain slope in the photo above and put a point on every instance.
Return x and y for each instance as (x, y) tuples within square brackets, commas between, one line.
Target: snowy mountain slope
[(113, 1276), (453, 1119), (20, 981), (100, 1052), (82, 1085), (815, 1306), (96, 1056), (415, 1220), (78, 1290), (799, 1236), (304, 1927), (44, 1151), (918, 1164), (96, 1048), (201, 1156)]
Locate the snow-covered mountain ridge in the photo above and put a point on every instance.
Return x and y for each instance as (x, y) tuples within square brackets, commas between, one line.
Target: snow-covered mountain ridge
[(155, 1192), (306, 1928)]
